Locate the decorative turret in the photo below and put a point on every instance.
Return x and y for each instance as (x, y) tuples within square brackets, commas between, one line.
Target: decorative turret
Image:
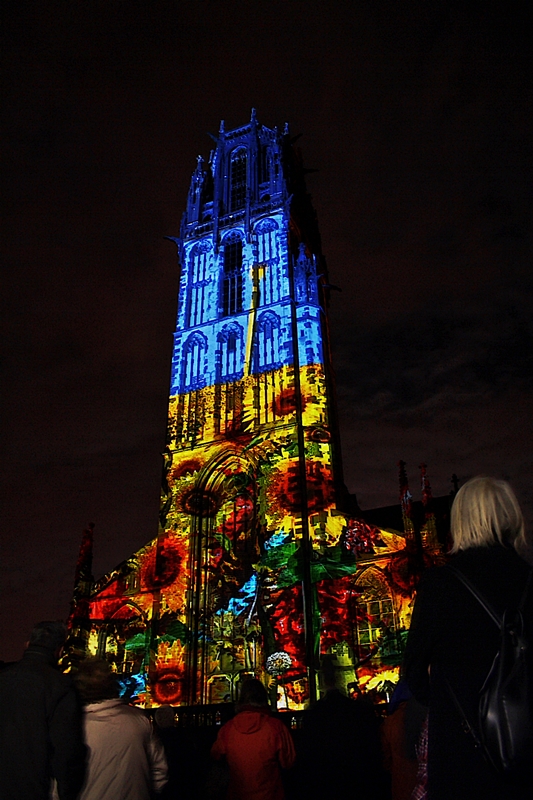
[(429, 530), (406, 502), (247, 175), (79, 619)]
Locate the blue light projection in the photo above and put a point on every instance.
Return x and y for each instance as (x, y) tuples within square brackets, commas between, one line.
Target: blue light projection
[(247, 595), (276, 540), (246, 279)]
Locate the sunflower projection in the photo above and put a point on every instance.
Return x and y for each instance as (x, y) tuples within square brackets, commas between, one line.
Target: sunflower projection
[(256, 570)]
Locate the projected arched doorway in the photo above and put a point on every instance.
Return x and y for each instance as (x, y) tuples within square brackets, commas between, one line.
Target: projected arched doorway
[(224, 640)]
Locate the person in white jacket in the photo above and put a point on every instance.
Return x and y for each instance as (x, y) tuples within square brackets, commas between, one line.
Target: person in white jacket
[(126, 759)]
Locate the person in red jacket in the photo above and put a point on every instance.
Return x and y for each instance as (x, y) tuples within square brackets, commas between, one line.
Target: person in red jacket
[(256, 745)]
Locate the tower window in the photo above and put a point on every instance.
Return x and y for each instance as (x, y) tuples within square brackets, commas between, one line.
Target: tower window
[(198, 280), (229, 355), (232, 282), (267, 253), (267, 341), (267, 243), (238, 170), (193, 372)]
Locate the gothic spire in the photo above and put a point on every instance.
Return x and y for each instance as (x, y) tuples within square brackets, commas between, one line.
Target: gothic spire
[(405, 499), (427, 495)]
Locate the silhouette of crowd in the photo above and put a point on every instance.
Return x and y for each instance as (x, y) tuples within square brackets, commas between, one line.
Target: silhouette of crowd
[(71, 737)]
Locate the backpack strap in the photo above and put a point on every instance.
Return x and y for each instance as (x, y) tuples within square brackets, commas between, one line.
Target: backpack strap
[(467, 725), (496, 618)]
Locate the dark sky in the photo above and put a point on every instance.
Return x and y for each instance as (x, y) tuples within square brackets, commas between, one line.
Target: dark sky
[(417, 116)]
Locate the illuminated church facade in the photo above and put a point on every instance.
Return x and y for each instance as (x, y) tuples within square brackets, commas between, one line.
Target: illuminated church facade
[(257, 569)]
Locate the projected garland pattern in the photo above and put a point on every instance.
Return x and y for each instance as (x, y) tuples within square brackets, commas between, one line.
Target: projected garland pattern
[(249, 527)]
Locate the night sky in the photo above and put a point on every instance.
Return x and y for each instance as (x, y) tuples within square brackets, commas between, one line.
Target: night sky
[(417, 116)]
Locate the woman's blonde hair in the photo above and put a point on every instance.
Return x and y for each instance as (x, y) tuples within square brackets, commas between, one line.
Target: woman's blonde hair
[(486, 512)]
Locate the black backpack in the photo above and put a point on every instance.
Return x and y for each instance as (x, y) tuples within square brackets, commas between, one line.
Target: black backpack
[(504, 729)]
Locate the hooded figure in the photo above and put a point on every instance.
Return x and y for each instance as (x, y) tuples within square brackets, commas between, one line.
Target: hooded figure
[(126, 759), (256, 745)]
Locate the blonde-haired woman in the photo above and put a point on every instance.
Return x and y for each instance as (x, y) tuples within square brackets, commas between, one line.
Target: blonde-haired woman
[(453, 641)]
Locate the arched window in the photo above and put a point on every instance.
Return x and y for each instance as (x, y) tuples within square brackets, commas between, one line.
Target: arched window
[(198, 280), (376, 624), (193, 369), (229, 355), (267, 241), (267, 342), (238, 168), (267, 254), (232, 281)]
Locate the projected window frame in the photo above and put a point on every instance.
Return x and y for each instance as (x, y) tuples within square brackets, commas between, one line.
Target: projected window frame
[(194, 362), (267, 342), (378, 625), (229, 361), (197, 300), (268, 255), (238, 179), (232, 282)]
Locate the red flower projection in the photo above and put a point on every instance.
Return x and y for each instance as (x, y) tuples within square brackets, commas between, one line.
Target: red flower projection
[(284, 490), (188, 467), (240, 518), (108, 600), (216, 554), (167, 686), (286, 402), (198, 502), (161, 565), (405, 569), (320, 435), (297, 691), (287, 620), (337, 600), (360, 537)]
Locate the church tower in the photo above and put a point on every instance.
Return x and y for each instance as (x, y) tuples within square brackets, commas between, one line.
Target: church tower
[(252, 456), (255, 570)]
